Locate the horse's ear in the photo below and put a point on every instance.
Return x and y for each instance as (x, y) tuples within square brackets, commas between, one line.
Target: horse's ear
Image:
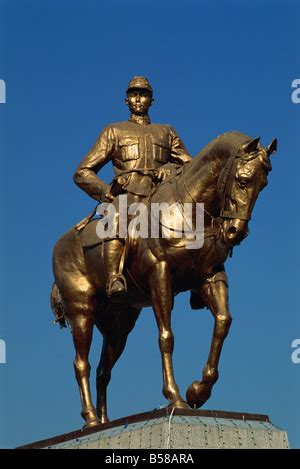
[(272, 148), (251, 146)]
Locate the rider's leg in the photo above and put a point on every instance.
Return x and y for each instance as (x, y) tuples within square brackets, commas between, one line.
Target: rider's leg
[(116, 283), (113, 250)]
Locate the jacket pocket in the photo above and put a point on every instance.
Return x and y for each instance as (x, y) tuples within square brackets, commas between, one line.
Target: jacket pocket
[(161, 149), (129, 148)]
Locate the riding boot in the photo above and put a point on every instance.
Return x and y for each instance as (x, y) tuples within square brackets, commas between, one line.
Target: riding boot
[(116, 282)]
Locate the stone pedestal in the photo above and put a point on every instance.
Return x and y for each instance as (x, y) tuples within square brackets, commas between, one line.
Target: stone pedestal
[(180, 429)]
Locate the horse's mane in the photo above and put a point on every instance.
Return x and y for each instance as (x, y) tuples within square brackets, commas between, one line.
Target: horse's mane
[(221, 148), (210, 161), (206, 166)]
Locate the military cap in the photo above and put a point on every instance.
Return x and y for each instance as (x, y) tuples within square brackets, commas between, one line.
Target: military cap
[(139, 82)]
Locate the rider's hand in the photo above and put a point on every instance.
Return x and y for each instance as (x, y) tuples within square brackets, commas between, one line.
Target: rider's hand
[(163, 173), (107, 197)]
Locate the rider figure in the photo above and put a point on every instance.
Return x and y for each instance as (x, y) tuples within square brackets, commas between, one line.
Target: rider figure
[(138, 150)]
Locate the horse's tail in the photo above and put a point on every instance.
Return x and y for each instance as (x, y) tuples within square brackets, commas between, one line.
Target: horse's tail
[(57, 306)]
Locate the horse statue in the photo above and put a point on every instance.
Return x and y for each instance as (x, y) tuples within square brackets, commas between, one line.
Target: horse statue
[(227, 177)]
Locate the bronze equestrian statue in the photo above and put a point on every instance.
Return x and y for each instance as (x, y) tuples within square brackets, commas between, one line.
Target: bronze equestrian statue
[(226, 176)]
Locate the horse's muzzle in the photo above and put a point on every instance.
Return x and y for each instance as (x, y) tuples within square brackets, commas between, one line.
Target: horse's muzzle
[(234, 231)]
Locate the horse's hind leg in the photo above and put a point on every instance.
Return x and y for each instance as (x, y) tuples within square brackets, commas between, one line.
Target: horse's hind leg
[(215, 294), (82, 336), (81, 310), (115, 331)]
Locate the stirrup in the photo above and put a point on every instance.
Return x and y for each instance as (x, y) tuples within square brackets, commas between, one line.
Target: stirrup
[(112, 279)]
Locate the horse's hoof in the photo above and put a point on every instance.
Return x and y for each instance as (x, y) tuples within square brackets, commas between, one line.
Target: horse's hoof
[(197, 394), (104, 420), (91, 423), (90, 417)]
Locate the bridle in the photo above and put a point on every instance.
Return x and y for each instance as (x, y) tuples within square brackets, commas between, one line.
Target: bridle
[(223, 186), (224, 183)]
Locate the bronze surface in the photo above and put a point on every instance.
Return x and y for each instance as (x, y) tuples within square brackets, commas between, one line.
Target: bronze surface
[(227, 176)]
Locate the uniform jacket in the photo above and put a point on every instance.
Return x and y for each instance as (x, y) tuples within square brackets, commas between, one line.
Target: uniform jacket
[(131, 145)]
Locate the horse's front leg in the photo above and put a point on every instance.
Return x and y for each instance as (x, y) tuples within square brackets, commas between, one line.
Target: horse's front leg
[(214, 292), (162, 302)]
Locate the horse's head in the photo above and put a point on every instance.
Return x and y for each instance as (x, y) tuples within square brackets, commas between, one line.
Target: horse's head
[(241, 180)]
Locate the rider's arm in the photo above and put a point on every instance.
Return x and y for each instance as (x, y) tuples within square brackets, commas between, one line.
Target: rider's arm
[(179, 153), (86, 173)]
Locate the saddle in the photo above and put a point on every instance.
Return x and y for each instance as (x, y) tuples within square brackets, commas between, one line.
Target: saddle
[(88, 225), (89, 237)]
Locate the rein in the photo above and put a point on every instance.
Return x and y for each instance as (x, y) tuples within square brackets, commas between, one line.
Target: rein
[(223, 185), (213, 219)]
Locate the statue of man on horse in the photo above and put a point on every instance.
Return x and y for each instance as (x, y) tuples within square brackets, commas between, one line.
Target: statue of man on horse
[(225, 178)]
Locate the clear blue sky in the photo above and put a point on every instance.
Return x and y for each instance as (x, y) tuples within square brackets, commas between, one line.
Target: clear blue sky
[(215, 66)]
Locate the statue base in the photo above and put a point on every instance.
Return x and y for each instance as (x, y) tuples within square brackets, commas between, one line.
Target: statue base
[(177, 429)]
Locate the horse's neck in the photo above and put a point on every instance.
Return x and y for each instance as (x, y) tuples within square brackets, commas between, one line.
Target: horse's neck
[(199, 183), (199, 180)]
